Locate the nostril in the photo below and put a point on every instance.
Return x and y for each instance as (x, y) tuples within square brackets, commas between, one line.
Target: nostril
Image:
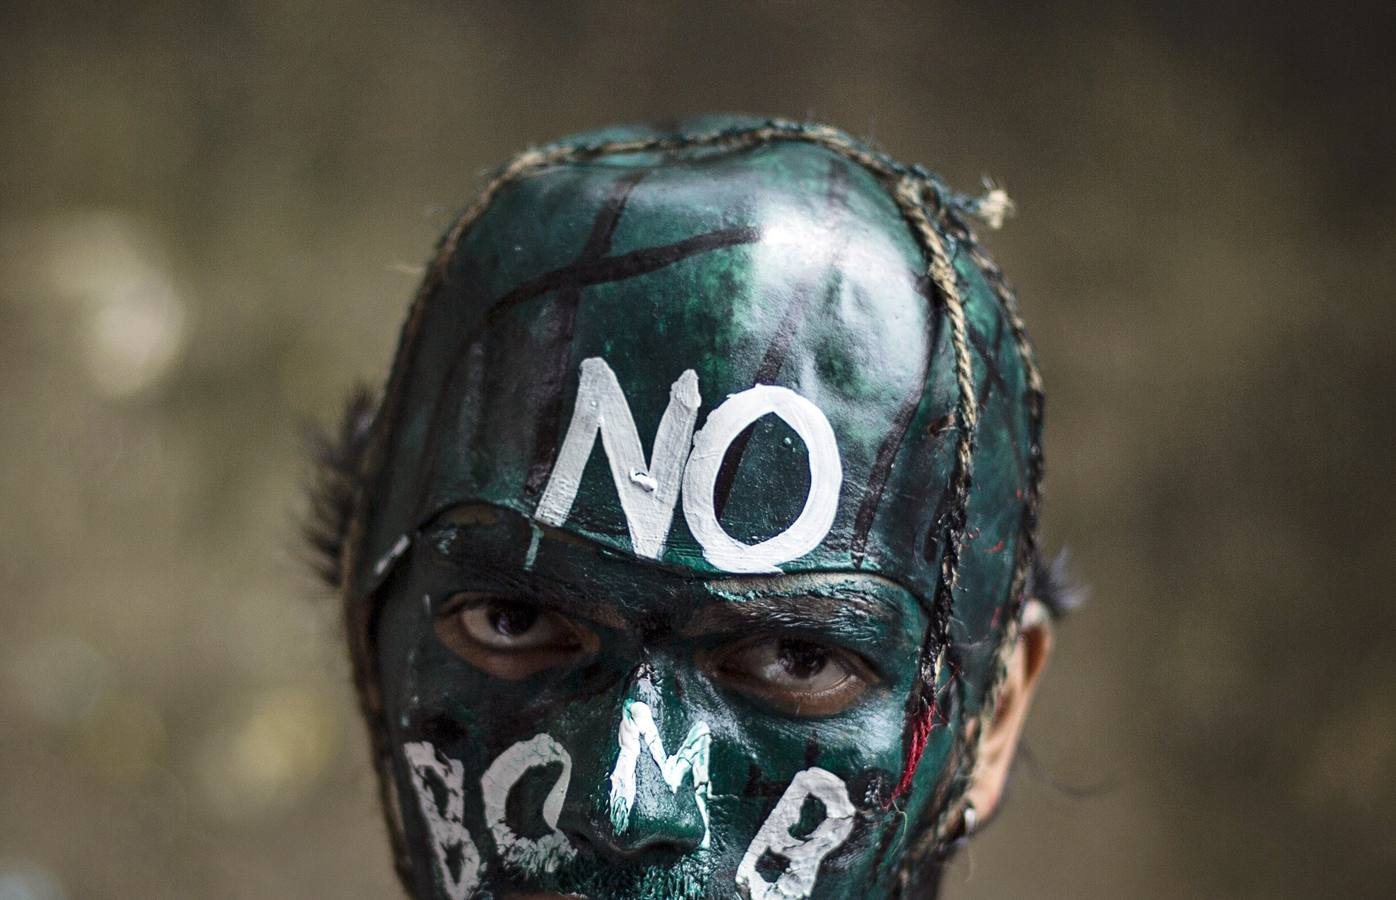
[(599, 841), (657, 850), (580, 841), (587, 837)]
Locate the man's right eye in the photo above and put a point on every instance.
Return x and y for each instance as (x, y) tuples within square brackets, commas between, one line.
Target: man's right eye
[(797, 677), (511, 638)]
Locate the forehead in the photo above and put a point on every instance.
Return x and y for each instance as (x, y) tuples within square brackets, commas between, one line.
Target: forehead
[(785, 266)]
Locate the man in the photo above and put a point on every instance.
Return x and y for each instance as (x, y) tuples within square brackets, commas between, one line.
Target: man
[(690, 552)]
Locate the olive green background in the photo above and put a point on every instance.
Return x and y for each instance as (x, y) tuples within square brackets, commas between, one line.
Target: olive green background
[(212, 217)]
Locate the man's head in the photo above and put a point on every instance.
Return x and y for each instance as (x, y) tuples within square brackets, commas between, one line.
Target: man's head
[(688, 550)]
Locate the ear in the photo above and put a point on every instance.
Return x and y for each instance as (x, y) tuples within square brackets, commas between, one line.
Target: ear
[(1000, 740)]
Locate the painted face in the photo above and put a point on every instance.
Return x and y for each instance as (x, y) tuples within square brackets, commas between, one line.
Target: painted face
[(666, 482)]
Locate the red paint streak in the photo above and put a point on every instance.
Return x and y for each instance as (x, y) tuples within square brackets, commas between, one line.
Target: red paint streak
[(920, 734), (996, 548)]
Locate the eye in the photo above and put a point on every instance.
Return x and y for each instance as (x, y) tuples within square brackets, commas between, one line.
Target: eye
[(511, 638), (797, 677), (514, 626)]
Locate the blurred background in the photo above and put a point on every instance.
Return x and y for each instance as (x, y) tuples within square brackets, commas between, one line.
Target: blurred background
[(214, 214)]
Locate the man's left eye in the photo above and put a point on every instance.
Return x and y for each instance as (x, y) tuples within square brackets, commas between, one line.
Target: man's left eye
[(797, 677)]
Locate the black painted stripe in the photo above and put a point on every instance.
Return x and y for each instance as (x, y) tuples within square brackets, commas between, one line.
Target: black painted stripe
[(778, 350), (627, 265), (555, 356), (882, 467), (901, 422), (603, 228), (996, 380)]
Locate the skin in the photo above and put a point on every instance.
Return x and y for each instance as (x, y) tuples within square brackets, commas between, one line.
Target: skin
[(1000, 743), (496, 638)]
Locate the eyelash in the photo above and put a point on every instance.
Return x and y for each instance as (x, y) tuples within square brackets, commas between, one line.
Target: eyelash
[(849, 659), (741, 664)]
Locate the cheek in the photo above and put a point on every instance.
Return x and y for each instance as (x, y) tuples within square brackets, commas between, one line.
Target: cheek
[(802, 802), (757, 756), (863, 744)]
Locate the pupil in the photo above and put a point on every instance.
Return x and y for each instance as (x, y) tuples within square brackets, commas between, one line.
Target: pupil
[(512, 621), (801, 659)]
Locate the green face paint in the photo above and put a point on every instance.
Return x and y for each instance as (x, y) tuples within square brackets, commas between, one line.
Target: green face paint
[(664, 496)]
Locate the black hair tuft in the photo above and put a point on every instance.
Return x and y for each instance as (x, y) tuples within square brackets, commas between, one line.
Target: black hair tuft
[(1054, 584), (337, 459)]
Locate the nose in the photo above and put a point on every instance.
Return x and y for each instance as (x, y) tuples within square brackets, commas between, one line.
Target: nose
[(653, 804)]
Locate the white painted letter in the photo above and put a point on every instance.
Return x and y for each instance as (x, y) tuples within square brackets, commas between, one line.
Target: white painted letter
[(439, 783), (531, 854), (647, 493), (710, 445), (636, 727), (804, 854)]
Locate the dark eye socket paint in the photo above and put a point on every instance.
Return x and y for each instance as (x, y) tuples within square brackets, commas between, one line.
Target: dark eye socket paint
[(872, 617)]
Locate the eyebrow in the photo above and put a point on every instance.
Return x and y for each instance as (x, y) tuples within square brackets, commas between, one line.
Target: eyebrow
[(814, 601), (840, 602), (505, 580), (545, 593)]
